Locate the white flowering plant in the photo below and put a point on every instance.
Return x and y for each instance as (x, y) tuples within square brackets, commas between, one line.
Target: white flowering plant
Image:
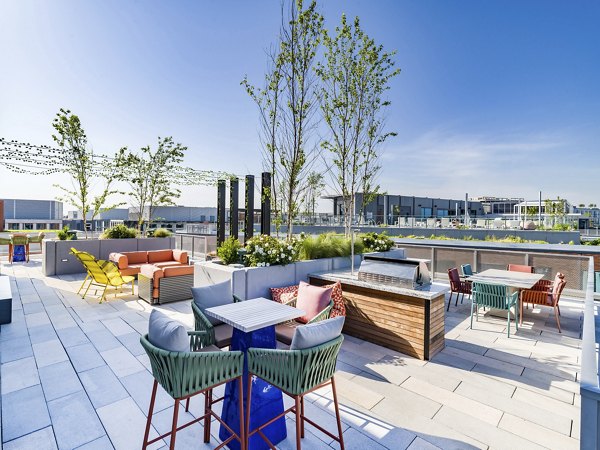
[(375, 242), (263, 251)]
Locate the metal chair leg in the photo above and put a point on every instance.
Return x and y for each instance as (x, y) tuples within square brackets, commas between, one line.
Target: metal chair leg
[(337, 413), (449, 301), (149, 419), (174, 426), (248, 404), (207, 421), (298, 423)]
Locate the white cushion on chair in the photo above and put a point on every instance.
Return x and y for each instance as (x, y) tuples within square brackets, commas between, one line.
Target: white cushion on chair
[(166, 333), (313, 334)]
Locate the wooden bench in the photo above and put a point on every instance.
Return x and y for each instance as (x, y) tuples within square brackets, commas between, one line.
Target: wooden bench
[(5, 300)]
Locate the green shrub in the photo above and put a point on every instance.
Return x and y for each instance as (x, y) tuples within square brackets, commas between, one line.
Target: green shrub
[(592, 242), (263, 250), (119, 232), (160, 233), (328, 245), (228, 251), (64, 234), (377, 242)]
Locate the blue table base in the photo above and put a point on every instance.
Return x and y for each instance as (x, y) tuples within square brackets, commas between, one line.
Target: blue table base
[(267, 401), (19, 253)]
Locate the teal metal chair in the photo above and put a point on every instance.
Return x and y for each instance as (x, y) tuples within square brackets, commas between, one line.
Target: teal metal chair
[(466, 269), (494, 296), (185, 374), (296, 373)]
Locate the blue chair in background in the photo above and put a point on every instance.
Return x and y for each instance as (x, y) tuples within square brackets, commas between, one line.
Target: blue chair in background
[(466, 269), (494, 296)]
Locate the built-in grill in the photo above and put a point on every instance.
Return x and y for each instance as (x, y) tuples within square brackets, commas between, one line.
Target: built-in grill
[(407, 273)]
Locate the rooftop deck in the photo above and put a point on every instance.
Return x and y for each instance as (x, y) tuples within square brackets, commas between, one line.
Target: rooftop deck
[(73, 375)]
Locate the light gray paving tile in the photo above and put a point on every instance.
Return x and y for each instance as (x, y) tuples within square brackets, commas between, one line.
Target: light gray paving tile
[(84, 357), (125, 423), (482, 431), (122, 362), (16, 329), (31, 308), (37, 319), (385, 434), (422, 444), (453, 361), (18, 374), (49, 352), (190, 437), (42, 333), (548, 367), (62, 321), (74, 408), (466, 405), (356, 393), (536, 433), (72, 336), (397, 371), (16, 348), (550, 380), (131, 341), (38, 440), (555, 406), (59, 380), (485, 361), (23, 412), (103, 339), (117, 326), (102, 386), (139, 386), (102, 443)]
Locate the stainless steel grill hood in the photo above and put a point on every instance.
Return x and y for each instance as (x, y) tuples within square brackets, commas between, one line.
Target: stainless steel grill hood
[(406, 273)]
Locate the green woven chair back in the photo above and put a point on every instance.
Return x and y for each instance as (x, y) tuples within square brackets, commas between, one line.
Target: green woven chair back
[(492, 295), (4, 241), (186, 373), (37, 239), (296, 371)]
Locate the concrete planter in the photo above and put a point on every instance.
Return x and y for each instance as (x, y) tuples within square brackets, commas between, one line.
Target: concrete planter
[(57, 259)]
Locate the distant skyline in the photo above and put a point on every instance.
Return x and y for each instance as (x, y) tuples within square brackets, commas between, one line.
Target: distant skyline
[(494, 98)]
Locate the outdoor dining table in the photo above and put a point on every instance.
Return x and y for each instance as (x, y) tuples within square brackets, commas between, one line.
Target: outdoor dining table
[(253, 323), (511, 279)]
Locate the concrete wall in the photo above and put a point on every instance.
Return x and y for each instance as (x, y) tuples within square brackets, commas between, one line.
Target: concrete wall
[(552, 237), (57, 259)]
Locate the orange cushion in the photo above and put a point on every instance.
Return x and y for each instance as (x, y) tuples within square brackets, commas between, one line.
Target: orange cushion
[(160, 256), (180, 256), (136, 257), (120, 259), (153, 272), (176, 271), (162, 265), (312, 299), (284, 294)]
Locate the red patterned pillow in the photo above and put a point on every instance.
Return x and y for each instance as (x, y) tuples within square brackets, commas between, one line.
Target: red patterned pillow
[(284, 294), (339, 308)]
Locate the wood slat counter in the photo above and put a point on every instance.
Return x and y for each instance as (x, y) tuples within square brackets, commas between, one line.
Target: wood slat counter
[(407, 320)]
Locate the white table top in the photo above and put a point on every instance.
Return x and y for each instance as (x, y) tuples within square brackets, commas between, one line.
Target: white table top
[(520, 280), (251, 315)]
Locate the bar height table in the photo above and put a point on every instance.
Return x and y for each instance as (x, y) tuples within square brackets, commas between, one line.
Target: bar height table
[(253, 323)]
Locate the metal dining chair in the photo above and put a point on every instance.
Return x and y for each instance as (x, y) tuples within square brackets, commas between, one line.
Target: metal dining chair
[(494, 296)]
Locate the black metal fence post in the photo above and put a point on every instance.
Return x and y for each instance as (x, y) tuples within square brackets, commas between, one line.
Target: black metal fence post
[(220, 212), (265, 204), (249, 229), (233, 207)]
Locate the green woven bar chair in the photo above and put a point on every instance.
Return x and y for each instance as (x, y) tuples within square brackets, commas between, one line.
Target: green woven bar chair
[(219, 335), (494, 296), (186, 374), (285, 331), (298, 372)]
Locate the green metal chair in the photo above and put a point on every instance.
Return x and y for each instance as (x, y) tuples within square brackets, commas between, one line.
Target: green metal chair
[(296, 373), (494, 296), (201, 323), (186, 374), (285, 331), (7, 241), (101, 274), (37, 240)]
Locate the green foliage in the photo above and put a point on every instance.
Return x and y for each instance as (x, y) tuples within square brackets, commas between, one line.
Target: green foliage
[(150, 176), (160, 233), (119, 232), (85, 173), (592, 242), (266, 250), (64, 234), (328, 245), (377, 242), (228, 251), (562, 227)]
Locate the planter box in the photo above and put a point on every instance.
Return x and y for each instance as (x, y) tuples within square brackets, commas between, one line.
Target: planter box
[(206, 273), (57, 259)]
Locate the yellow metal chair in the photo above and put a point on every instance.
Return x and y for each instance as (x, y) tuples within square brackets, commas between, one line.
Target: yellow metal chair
[(101, 274)]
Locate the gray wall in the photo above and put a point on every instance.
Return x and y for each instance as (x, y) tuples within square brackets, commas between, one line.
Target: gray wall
[(33, 209)]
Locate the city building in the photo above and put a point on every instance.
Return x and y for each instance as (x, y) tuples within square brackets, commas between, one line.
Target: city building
[(497, 205), (20, 214)]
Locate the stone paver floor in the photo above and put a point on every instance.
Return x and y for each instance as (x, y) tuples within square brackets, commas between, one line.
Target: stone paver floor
[(73, 375)]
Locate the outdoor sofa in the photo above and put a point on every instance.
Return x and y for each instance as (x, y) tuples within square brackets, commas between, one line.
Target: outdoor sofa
[(130, 263)]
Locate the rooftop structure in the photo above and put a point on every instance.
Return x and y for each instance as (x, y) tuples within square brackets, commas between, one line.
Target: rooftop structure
[(20, 214)]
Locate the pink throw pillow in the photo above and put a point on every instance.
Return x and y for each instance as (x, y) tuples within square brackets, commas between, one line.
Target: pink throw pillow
[(312, 299)]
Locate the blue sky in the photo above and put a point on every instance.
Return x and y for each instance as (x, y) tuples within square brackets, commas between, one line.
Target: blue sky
[(494, 98)]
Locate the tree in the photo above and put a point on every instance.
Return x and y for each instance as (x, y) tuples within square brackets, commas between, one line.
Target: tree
[(288, 103), (150, 176), (78, 162), (313, 190), (355, 76)]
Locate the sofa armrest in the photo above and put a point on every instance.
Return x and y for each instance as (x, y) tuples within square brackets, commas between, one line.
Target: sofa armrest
[(119, 259), (180, 256)]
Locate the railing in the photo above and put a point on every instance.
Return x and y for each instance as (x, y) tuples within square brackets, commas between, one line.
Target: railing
[(590, 383), (197, 246)]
